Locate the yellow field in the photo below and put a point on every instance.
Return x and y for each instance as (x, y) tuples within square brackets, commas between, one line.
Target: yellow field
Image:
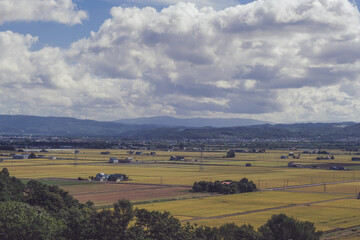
[(342, 188), (267, 171), (229, 204), (182, 174), (324, 218), (326, 215)]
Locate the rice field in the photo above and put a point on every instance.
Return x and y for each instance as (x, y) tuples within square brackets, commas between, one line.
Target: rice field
[(173, 179)]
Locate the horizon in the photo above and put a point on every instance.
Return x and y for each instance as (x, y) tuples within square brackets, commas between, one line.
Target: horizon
[(273, 60), (192, 118)]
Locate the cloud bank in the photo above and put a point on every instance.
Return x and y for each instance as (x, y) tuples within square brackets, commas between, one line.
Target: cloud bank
[(61, 11), (277, 60)]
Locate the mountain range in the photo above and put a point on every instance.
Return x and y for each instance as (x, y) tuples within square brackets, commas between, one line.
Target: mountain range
[(192, 122), (173, 128)]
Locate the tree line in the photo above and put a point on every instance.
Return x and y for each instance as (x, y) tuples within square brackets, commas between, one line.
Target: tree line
[(225, 187), (36, 211)]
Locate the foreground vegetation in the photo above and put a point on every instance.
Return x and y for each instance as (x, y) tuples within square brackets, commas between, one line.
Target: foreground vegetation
[(38, 211)]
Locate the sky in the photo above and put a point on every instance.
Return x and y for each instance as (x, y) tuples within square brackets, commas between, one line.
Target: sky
[(274, 60)]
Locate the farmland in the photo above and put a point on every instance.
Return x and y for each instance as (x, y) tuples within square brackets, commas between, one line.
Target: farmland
[(315, 193)]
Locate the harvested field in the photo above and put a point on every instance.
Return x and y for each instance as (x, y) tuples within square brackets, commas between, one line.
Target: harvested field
[(104, 194)]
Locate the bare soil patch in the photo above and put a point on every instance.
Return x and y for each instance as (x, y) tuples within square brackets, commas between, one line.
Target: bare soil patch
[(106, 194)]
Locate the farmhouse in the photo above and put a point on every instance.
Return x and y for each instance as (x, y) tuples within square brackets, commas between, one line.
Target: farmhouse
[(117, 177), (226, 182), (294, 164), (101, 177)]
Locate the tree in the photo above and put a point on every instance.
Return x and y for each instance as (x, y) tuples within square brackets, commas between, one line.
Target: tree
[(11, 189), (123, 213), (78, 224), (32, 155), (156, 225), (23, 222), (197, 187), (231, 231), (230, 154), (207, 233), (113, 225), (282, 227), (51, 198)]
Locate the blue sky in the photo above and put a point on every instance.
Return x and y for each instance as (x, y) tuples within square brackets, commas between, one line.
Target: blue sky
[(56, 34), (273, 60)]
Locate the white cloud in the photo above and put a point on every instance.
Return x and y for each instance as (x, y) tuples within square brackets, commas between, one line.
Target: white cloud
[(216, 4), (61, 11), (278, 60)]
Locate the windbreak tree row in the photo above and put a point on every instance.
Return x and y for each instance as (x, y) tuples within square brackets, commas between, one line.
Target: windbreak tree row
[(225, 187)]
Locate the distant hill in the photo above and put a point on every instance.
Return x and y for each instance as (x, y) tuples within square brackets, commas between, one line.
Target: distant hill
[(192, 122), (318, 131), (63, 126), (60, 126)]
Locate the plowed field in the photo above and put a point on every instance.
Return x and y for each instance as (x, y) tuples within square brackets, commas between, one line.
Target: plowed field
[(107, 193)]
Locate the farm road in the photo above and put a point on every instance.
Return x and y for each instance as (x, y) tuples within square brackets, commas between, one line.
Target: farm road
[(264, 210)]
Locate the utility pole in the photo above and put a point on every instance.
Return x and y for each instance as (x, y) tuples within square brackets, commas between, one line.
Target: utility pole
[(201, 167)]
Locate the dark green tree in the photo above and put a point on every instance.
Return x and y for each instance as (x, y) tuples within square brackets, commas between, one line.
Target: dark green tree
[(113, 225), (51, 198), (230, 154), (197, 187), (32, 155), (20, 221), (159, 226), (207, 233), (11, 189), (282, 227), (231, 231), (78, 224)]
